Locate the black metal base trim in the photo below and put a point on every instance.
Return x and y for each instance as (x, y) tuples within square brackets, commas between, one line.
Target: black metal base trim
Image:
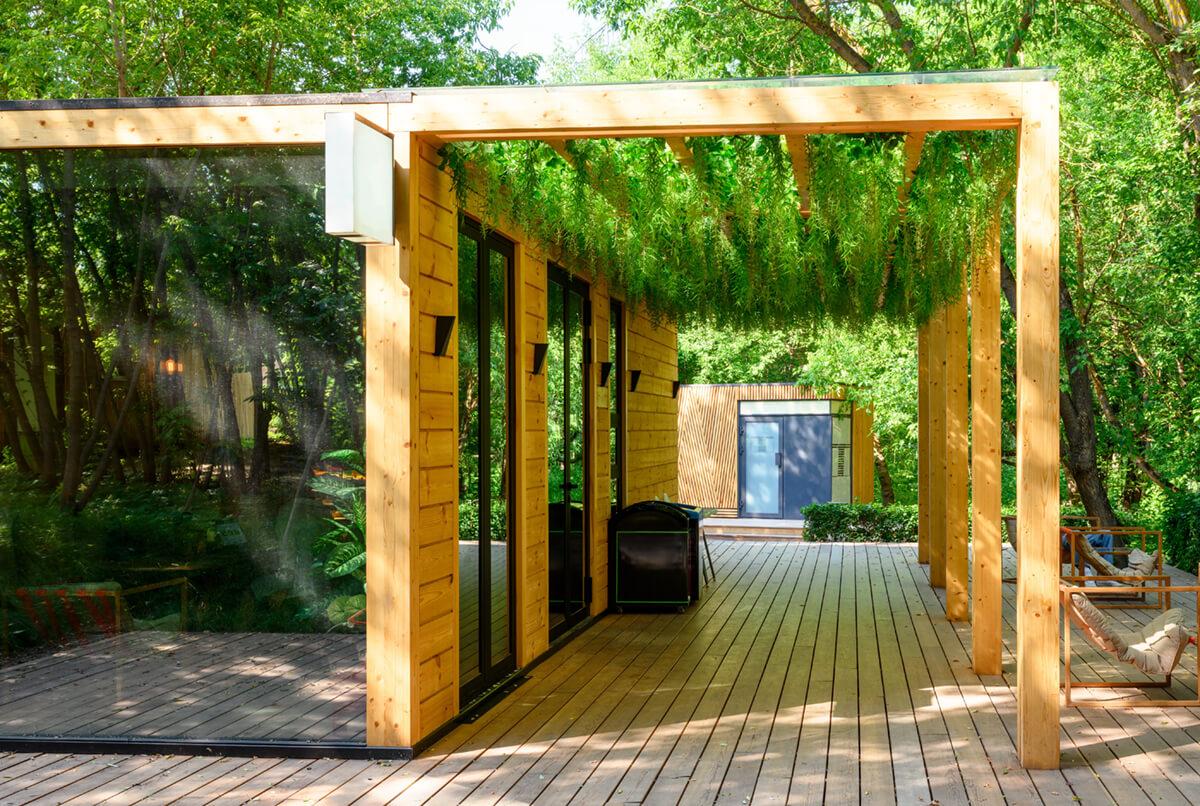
[(491, 697), (103, 745)]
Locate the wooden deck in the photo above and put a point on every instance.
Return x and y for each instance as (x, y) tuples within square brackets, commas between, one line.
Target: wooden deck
[(809, 673)]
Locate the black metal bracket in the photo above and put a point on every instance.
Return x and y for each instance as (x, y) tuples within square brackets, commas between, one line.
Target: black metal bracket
[(605, 371), (539, 356), (675, 389), (442, 329), (634, 376)]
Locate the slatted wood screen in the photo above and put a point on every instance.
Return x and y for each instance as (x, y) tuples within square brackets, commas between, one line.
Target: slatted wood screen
[(708, 441)]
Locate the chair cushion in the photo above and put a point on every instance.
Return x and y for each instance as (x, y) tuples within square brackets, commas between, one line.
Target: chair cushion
[(1141, 564), (1155, 648)]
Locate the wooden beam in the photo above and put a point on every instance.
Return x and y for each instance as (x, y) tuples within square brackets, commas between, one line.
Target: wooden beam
[(392, 472), (538, 113), (937, 450), (560, 147), (301, 124), (683, 153), (923, 456), (913, 143), (957, 562), (797, 148), (1038, 430), (986, 575)]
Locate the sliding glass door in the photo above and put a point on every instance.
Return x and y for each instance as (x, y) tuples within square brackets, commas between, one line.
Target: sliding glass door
[(568, 316), (485, 467)]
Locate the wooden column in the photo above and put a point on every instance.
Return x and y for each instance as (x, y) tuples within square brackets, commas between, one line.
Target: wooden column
[(957, 585), (519, 541), (985, 457), (1037, 429), (923, 443), (937, 449), (391, 427)]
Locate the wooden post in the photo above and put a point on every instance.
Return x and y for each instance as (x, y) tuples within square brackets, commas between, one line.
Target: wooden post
[(937, 449), (985, 457), (923, 443), (957, 593), (519, 540), (1037, 430), (391, 427)]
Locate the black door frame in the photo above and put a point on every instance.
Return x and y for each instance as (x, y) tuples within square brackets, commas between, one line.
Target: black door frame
[(616, 396), (490, 673), (556, 275)]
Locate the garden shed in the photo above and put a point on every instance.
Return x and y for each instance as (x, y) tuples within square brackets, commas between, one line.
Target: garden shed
[(511, 376), (767, 450)]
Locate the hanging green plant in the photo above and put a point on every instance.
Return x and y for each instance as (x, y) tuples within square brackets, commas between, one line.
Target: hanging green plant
[(725, 237)]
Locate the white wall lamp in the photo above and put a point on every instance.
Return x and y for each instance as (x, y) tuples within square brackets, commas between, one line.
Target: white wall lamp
[(358, 180)]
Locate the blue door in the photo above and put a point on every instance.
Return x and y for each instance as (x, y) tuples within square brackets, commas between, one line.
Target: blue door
[(785, 463), (807, 462), (761, 467)]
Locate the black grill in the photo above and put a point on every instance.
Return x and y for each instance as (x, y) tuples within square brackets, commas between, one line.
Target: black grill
[(654, 555)]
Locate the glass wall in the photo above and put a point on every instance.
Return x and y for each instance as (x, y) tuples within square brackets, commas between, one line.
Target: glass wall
[(566, 429), (182, 549), (616, 414), (485, 564)]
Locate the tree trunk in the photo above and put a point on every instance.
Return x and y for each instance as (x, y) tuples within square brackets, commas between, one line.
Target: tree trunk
[(886, 491), (72, 341), (1077, 405)]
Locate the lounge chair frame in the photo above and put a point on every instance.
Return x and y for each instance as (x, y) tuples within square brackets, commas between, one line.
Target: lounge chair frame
[(1140, 600), (1065, 593)]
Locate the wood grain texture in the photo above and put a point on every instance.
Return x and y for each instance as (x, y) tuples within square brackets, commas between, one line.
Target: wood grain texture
[(985, 457), (392, 406), (1038, 429), (923, 454), (651, 424), (541, 113), (957, 460), (862, 452), (937, 449)]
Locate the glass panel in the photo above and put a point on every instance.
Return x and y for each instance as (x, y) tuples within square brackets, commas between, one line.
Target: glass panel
[(182, 548), (575, 452), (762, 467), (615, 379), (499, 452), (469, 458), (556, 453)]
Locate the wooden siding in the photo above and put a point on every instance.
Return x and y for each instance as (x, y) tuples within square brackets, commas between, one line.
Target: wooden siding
[(436, 574), (652, 415), (601, 457), (708, 423), (651, 456)]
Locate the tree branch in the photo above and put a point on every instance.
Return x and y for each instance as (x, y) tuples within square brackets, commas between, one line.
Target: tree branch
[(826, 31)]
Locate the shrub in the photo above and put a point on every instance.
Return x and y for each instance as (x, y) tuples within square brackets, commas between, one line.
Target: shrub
[(860, 523), (1181, 530)]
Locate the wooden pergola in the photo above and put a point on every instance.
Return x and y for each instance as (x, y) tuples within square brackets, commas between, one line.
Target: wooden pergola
[(401, 310)]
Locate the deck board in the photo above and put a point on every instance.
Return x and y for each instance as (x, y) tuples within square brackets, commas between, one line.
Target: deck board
[(808, 673)]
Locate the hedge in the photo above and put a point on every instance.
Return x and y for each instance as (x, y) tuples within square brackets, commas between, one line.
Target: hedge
[(860, 523), (1181, 531)]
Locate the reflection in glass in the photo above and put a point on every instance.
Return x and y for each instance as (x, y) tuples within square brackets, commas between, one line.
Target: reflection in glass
[(567, 444), (182, 548), (485, 637), (499, 450), (469, 454)]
